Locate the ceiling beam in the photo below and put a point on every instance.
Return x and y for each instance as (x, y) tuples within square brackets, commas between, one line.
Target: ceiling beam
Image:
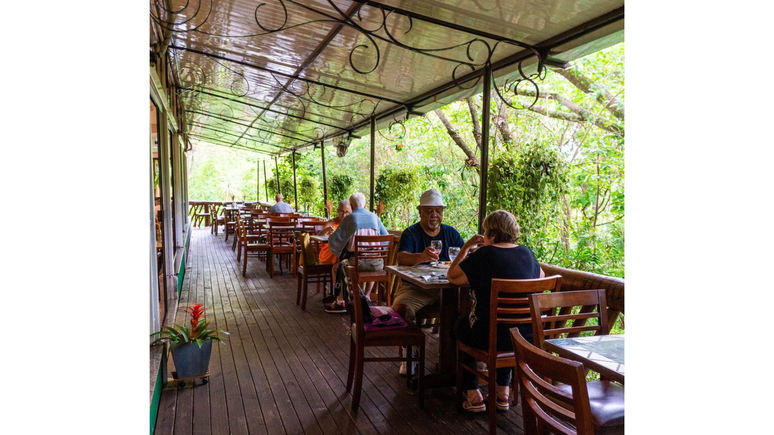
[(231, 120)]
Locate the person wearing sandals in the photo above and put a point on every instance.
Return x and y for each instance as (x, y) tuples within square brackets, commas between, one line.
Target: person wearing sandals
[(342, 242), (502, 258)]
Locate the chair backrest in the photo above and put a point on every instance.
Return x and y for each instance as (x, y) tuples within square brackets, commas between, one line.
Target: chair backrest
[(273, 218), (280, 233), (312, 227), (553, 314), (509, 301), (541, 400), (304, 248), (373, 247)]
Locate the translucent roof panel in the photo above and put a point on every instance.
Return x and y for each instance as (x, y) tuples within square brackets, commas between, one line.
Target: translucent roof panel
[(279, 75)]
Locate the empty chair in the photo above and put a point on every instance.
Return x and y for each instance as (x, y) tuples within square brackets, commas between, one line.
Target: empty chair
[(280, 237), (552, 314), (555, 396), (250, 243), (408, 336)]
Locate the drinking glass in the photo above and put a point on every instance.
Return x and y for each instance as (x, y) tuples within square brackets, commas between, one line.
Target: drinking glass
[(436, 244), (453, 252)]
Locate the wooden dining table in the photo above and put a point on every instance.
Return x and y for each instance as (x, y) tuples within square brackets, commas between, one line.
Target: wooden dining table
[(434, 278), (601, 353)]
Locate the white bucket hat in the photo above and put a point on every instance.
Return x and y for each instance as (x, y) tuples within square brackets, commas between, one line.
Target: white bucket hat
[(431, 198)]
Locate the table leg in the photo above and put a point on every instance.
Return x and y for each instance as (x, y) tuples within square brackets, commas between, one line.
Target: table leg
[(447, 348)]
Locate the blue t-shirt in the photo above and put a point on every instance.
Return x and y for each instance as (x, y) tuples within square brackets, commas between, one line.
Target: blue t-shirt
[(414, 240)]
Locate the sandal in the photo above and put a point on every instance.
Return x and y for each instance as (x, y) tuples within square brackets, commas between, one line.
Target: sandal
[(474, 407), (503, 400)]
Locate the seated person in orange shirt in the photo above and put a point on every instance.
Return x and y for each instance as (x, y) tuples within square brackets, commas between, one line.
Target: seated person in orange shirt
[(326, 256)]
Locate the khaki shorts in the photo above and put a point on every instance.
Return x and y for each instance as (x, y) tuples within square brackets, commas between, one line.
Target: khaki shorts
[(366, 265), (415, 298)]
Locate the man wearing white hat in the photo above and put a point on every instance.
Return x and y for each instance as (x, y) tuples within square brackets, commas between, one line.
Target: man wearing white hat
[(415, 247)]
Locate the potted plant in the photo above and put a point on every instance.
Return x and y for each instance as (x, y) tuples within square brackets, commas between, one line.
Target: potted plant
[(190, 347)]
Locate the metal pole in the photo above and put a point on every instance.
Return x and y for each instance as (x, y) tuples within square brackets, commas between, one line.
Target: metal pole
[(373, 153), (258, 182), (276, 171), (325, 182), (295, 189), (265, 181), (484, 145)]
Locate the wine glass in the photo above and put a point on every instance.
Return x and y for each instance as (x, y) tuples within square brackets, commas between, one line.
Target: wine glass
[(436, 245), (454, 251)]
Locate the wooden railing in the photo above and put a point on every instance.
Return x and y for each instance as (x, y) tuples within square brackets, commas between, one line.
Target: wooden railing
[(577, 280)]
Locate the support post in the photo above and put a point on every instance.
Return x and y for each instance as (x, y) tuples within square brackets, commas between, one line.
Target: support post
[(276, 172), (325, 181), (295, 189), (258, 181), (373, 154), (265, 181), (485, 112)]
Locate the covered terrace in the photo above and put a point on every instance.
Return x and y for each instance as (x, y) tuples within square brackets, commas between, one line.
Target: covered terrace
[(280, 77)]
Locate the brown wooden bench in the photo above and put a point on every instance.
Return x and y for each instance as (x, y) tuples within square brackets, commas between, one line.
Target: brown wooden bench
[(578, 280)]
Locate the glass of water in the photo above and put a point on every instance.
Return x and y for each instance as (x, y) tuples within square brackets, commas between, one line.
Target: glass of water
[(454, 251), (436, 244)]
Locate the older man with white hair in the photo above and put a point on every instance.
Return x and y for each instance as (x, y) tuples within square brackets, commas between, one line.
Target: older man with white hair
[(360, 222), (280, 207)]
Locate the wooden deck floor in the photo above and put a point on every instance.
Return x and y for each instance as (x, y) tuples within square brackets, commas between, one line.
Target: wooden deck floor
[(284, 371)]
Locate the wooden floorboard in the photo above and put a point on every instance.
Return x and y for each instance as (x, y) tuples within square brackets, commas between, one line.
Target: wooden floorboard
[(283, 370)]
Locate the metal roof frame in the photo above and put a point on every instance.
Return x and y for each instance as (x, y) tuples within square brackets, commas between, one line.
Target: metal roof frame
[(308, 51)]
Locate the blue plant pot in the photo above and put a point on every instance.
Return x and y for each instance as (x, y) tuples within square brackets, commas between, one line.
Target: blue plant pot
[(191, 360)]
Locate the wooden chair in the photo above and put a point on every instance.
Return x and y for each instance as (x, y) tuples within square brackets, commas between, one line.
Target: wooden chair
[(249, 243), (310, 270), (312, 227), (508, 305), (280, 237), (560, 319), (555, 396), (216, 217), (373, 248), (409, 337), (230, 222)]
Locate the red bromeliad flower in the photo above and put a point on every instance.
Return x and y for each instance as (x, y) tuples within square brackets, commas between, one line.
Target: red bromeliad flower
[(197, 313)]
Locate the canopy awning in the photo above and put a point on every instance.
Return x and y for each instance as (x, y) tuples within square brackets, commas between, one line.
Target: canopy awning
[(281, 75)]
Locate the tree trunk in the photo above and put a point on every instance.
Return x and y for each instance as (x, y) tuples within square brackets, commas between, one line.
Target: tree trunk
[(476, 124), (471, 160), (501, 122)]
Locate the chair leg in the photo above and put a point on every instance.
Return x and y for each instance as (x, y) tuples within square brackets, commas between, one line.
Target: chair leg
[(358, 378), (421, 373), (352, 357), (298, 292), (491, 399), (244, 264), (305, 292), (459, 380), (239, 253)]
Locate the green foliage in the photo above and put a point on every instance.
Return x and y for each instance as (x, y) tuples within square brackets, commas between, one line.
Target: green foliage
[(399, 188), (530, 184), (309, 195), (563, 180), (340, 187)]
